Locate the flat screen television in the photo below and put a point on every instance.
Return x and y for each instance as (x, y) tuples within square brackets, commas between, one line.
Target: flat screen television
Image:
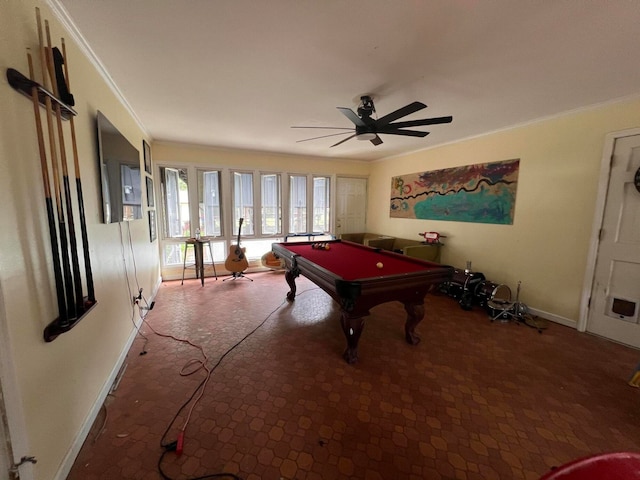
[(120, 174)]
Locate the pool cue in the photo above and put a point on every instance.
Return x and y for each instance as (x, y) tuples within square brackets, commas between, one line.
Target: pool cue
[(62, 230), (53, 237), (83, 224), (77, 280)]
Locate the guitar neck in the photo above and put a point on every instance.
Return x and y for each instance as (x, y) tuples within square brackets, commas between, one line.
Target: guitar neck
[(239, 231)]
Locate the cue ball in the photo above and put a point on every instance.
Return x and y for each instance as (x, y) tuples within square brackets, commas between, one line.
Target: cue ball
[(379, 265)]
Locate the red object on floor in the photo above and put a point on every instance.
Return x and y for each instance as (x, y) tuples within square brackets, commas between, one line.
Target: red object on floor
[(180, 443), (607, 466)]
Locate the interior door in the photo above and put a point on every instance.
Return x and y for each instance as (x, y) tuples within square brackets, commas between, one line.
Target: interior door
[(615, 295), (351, 205)]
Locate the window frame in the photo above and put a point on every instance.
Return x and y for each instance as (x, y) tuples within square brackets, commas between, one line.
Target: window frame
[(278, 205), (327, 200), (202, 206), (229, 230), (249, 220)]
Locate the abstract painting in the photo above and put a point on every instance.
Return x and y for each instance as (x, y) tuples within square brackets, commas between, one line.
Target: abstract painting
[(481, 193)]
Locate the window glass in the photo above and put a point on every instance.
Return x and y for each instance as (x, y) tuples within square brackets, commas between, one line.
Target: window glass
[(321, 210), (243, 202), (255, 249), (270, 188), (173, 253), (209, 203), (297, 204), (175, 202), (259, 204)]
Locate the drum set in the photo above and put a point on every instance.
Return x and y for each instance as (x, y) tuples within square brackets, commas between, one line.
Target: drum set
[(472, 288)]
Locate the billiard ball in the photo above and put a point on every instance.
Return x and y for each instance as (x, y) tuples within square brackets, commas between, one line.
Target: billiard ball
[(379, 265)]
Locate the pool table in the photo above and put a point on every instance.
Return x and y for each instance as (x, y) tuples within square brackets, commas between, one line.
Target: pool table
[(359, 277)]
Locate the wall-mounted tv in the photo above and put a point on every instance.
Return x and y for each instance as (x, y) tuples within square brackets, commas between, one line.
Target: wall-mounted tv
[(120, 174)]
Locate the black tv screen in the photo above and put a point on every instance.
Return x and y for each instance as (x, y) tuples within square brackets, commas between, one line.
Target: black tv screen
[(120, 174)]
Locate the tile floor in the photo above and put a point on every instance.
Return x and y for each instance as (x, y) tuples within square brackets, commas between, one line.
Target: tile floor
[(474, 400)]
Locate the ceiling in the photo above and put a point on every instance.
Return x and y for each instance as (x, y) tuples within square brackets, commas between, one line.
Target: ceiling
[(241, 73)]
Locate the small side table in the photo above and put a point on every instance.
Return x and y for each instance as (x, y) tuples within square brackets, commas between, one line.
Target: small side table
[(198, 251)]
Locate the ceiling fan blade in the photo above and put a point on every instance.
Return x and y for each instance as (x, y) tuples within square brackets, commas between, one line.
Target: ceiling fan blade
[(406, 133), (323, 136), (342, 141), (426, 121), (328, 128), (351, 115), (376, 141), (401, 112)]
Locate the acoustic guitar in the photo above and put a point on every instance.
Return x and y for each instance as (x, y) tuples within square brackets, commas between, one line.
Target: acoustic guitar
[(236, 261)]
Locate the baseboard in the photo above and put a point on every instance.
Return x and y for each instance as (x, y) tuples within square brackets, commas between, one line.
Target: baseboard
[(74, 450), (567, 322)]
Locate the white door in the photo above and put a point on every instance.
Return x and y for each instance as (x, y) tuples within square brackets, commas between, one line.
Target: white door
[(615, 294), (351, 205)]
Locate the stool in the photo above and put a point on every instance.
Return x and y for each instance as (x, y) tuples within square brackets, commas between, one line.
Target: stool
[(198, 252)]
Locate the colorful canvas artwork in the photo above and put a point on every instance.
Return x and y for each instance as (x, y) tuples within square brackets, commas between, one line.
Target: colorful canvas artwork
[(481, 193)]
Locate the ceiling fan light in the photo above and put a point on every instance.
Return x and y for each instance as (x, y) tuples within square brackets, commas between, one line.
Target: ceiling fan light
[(366, 136)]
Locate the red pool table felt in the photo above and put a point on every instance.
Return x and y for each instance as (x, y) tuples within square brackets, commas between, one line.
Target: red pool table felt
[(353, 262)]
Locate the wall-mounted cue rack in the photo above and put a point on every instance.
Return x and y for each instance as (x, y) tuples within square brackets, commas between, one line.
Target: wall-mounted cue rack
[(73, 305)]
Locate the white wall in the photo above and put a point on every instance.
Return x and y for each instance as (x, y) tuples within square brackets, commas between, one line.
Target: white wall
[(547, 245), (58, 385)]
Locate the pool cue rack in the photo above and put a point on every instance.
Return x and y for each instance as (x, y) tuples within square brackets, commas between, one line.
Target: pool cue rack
[(62, 208)]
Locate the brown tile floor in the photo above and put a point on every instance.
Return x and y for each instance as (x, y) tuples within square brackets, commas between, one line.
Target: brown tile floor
[(474, 400)]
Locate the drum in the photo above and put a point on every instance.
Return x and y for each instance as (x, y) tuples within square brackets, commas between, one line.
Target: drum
[(499, 301), (462, 282), (462, 286), (484, 291)]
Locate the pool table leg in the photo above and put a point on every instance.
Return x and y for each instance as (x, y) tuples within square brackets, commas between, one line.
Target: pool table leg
[(290, 277), (352, 327), (415, 314)]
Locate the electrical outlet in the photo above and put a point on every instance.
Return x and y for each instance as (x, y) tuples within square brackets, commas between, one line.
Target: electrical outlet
[(137, 297)]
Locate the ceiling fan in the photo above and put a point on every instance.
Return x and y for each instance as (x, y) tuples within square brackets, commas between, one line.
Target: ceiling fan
[(368, 128)]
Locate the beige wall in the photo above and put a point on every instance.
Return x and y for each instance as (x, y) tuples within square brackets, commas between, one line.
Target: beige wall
[(58, 384), (546, 247), (56, 387), (174, 154)]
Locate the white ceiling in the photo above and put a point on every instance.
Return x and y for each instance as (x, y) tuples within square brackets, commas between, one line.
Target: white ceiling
[(240, 73)]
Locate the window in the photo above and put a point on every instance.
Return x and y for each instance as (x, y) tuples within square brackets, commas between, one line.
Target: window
[(175, 202), (175, 206), (271, 214), (321, 204), (209, 214), (243, 201), (297, 204), (214, 199)]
